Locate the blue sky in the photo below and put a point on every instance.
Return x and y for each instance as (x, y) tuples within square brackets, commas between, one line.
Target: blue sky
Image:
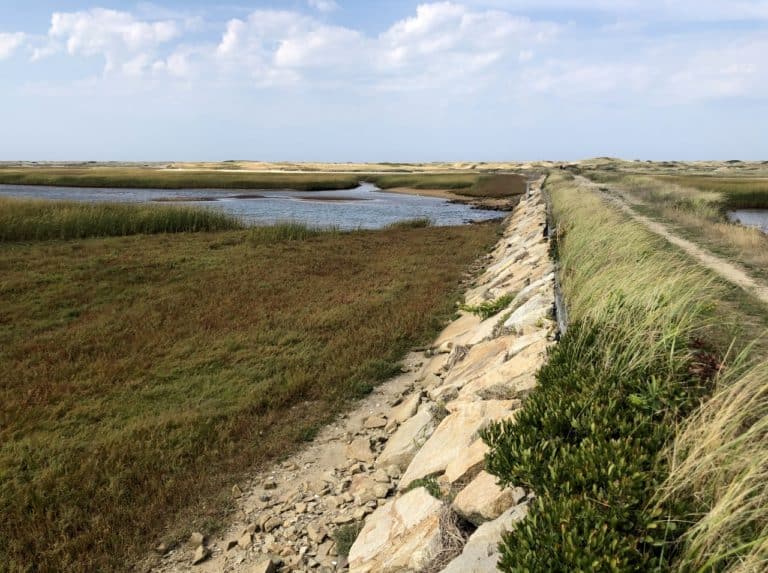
[(388, 80)]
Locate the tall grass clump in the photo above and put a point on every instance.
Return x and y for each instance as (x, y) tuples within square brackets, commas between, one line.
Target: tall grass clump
[(25, 220), (719, 464), (417, 223), (589, 440), (287, 231)]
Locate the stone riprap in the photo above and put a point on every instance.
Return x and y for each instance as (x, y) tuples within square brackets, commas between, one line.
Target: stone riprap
[(405, 471)]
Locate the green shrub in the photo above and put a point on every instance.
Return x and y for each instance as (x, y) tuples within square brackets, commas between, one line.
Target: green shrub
[(588, 442), (430, 484), (345, 536), (488, 309)]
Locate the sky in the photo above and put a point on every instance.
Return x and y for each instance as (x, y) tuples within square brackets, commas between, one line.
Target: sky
[(383, 80)]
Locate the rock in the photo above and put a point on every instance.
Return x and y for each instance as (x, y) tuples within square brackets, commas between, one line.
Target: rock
[(375, 421), (269, 483), (483, 500), (455, 433), (402, 535), (236, 491), (406, 441), (393, 471), (201, 554), (266, 566), (196, 539), (316, 532), (271, 523), (530, 314), (365, 489), (161, 548), (407, 409), (481, 552), (245, 540), (343, 519), (360, 450), (468, 462)]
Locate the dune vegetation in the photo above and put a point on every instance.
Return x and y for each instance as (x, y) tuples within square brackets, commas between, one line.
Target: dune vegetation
[(143, 375), (631, 461), (697, 206)]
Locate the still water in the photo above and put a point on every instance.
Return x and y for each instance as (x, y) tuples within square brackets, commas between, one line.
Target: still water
[(365, 207), (751, 218)]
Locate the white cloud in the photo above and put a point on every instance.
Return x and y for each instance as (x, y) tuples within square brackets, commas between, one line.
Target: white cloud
[(9, 43), (323, 5), (119, 37)]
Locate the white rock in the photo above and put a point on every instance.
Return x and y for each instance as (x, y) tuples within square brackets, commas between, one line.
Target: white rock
[(407, 409), (468, 461), (529, 315), (481, 553), (483, 500), (455, 433), (402, 535), (409, 437)]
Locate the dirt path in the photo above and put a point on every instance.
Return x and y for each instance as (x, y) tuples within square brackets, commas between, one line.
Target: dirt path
[(732, 272)]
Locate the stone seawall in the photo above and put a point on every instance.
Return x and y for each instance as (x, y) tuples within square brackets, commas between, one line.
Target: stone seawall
[(480, 371), (407, 466)]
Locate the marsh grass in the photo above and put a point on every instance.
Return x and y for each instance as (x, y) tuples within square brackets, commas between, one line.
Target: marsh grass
[(154, 178), (26, 220), (418, 223), (142, 375), (736, 192), (288, 231), (497, 186)]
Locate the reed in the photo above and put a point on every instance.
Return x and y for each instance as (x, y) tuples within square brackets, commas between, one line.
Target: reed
[(33, 220)]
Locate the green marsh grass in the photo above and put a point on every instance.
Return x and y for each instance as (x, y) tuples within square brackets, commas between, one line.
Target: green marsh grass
[(154, 178), (141, 376), (27, 220)]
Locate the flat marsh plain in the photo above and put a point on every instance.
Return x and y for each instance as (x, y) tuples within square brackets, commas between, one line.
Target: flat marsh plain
[(141, 375)]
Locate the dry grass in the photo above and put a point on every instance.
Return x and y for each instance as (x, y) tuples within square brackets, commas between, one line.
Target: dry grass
[(720, 460), (139, 375)]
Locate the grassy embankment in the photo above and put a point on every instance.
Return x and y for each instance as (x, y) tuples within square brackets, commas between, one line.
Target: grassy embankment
[(142, 375), (631, 472), (468, 184), (697, 207)]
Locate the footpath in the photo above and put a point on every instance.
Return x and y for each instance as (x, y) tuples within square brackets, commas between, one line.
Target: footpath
[(403, 474)]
